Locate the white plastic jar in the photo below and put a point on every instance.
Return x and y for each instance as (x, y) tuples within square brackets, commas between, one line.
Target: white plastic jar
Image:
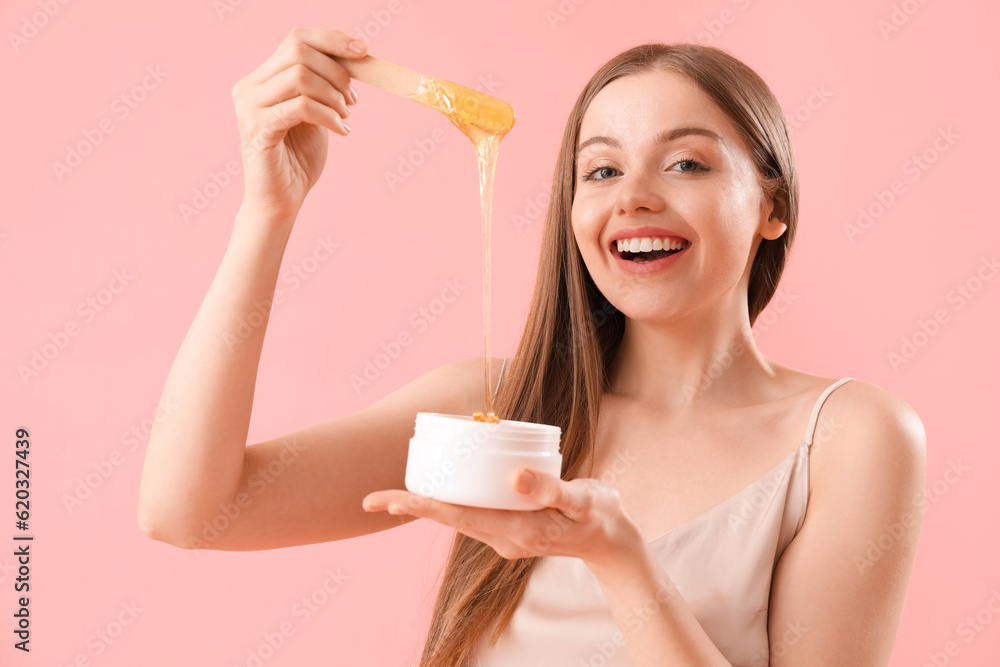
[(456, 459)]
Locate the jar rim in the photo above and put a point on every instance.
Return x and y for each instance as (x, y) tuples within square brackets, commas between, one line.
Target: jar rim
[(445, 428)]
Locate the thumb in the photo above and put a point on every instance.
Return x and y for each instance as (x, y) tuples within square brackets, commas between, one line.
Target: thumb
[(550, 491)]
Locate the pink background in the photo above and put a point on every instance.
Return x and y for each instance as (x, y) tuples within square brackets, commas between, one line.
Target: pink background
[(62, 240)]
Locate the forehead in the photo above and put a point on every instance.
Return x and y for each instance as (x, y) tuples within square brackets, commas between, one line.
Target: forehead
[(636, 107)]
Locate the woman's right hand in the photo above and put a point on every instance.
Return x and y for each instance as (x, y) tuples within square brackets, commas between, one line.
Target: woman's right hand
[(284, 108)]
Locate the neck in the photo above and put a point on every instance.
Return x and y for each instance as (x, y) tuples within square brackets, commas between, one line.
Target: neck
[(703, 359)]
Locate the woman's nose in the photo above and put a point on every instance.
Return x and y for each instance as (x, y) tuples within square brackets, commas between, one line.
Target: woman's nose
[(637, 191)]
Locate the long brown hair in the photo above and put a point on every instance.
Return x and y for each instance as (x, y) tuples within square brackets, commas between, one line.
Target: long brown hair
[(562, 364)]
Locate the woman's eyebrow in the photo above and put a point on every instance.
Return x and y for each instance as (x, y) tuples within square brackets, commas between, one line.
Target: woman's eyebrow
[(663, 137)]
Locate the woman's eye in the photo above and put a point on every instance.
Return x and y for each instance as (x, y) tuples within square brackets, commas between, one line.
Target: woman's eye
[(599, 170), (698, 166), (603, 173)]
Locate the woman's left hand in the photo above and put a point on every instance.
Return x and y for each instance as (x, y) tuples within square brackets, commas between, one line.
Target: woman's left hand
[(582, 518)]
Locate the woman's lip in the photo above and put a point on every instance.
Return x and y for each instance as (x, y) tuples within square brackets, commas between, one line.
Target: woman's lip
[(652, 266)]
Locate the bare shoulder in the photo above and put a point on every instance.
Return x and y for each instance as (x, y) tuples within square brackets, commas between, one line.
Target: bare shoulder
[(866, 434), (854, 408), (861, 427), (869, 401), (846, 571)]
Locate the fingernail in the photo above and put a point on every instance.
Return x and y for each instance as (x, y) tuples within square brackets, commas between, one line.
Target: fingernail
[(354, 94), (356, 45), (346, 127)]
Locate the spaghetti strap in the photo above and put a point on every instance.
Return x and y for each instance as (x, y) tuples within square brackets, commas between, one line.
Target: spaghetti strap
[(503, 368), (810, 431)]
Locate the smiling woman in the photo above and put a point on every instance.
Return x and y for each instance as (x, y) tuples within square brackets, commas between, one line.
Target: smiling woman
[(674, 207), (712, 504), (702, 179)]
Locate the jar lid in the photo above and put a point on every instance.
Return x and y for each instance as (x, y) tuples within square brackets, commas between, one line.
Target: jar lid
[(438, 427)]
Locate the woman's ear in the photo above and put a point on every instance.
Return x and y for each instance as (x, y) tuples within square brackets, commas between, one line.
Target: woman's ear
[(774, 226)]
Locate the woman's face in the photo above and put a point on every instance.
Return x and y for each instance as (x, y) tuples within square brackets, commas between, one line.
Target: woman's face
[(634, 181)]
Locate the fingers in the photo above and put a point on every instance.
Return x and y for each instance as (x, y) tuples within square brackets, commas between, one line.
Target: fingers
[(332, 42), (300, 67), (300, 81), (574, 498), (481, 520), (511, 533), (313, 48), (297, 51), (282, 117), (377, 501)]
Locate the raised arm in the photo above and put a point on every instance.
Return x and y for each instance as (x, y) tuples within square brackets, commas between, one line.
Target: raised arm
[(202, 487)]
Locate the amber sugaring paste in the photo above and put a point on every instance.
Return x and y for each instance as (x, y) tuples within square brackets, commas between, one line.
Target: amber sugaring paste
[(484, 120)]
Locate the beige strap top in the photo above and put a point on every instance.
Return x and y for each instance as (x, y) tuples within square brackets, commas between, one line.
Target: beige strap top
[(721, 561)]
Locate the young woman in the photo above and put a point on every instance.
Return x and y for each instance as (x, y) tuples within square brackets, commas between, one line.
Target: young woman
[(688, 527)]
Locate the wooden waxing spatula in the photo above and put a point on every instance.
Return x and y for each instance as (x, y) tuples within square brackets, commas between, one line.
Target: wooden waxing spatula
[(471, 111)]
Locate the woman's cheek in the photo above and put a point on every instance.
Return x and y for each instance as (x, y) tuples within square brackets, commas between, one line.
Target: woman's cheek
[(583, 229)]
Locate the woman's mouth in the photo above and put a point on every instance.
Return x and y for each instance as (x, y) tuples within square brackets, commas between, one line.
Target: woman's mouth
[(648, 255), (645, 249)]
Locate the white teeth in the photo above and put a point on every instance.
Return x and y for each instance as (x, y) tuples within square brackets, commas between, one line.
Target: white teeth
[(648, 243)]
